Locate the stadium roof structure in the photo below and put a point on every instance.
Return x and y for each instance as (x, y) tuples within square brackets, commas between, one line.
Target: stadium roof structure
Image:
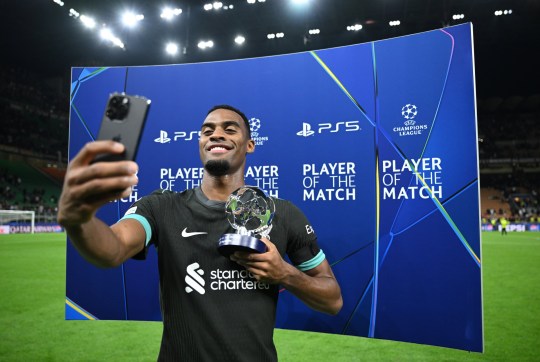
[(43, 36)]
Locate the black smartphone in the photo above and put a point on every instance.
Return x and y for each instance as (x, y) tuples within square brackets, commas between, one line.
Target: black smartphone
[(123, 121)]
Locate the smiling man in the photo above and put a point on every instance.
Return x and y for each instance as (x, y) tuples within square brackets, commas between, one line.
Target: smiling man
[(221, 156), (214, 308)]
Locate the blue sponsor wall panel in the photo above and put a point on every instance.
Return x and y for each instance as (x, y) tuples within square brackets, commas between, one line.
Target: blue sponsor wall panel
[(375, 142)]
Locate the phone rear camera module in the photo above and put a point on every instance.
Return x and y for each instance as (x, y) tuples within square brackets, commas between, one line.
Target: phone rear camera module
[(118, 108)]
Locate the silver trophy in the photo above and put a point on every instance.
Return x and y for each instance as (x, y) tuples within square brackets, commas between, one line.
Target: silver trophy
[(250, 212)]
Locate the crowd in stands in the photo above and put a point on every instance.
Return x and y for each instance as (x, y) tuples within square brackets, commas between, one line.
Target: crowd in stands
[(509, 151), (508, 130), (525, 206), (16, 195), (34, 115), (517, 196)]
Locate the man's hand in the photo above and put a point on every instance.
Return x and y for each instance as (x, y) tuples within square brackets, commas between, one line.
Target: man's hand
[(89, 186), (266, 267), (316, 287)]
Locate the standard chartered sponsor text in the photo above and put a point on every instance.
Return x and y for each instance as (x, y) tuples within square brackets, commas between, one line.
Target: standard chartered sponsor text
[(235, 280)]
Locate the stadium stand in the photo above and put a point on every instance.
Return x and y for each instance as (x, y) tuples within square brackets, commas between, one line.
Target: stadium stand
[(493, 203), (33, 143), (55, 173), (23, 187), (509, 148), (34, 116)]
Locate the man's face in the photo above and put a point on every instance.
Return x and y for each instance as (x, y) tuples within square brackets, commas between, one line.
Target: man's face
[(224, 142)]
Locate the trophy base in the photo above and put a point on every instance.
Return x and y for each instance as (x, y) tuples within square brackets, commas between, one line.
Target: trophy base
[(229, 243)]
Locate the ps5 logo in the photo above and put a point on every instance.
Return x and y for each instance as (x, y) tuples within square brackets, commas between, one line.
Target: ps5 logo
[(194, 278), (306, 130), (349, 126), (163, 137), (178, 135)]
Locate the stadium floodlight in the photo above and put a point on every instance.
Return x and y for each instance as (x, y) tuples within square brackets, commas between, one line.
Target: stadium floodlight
[(271, 36), (231, 6), (169, 13), (171, 48), (458, 16), (87, 21), (117, 42), (393, 23), (280, 35), (208, 7), (217, 5), (314, 31), (130, 19), (354, 27), (251, 1), (106, 34), (74, 13), (239, 40), (203, 44), (59, 2), (503, 12)]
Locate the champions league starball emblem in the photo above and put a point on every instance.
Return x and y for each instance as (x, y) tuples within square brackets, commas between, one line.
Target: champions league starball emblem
[(250, 212)]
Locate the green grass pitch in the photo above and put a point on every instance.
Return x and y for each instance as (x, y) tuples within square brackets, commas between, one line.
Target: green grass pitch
[(32, 325)]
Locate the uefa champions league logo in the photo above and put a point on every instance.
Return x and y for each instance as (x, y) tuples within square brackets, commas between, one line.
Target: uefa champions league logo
[(409, 111), (410, 128), (254, 127)]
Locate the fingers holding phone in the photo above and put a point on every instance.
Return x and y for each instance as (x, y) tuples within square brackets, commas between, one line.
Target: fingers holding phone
[(100, 179), (88, 186)]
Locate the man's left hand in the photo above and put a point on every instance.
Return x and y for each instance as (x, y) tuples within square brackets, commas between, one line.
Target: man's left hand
[(266, 267)]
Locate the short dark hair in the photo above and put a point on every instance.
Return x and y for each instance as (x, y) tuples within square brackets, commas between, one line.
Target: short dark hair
[(235, 110)]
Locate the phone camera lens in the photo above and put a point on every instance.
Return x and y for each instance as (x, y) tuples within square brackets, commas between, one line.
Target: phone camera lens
[(118, 108)]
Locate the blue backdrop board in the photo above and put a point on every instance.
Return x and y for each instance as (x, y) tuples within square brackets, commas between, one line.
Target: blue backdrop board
[(376, 143)]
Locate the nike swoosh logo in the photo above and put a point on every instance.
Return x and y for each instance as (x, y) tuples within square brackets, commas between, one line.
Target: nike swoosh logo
[(187, 234)]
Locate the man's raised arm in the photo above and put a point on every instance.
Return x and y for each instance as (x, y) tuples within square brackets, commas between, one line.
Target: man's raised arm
[(86, 188)]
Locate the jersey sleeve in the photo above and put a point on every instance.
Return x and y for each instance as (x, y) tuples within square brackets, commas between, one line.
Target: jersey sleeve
[(302, 247), (144, 211)]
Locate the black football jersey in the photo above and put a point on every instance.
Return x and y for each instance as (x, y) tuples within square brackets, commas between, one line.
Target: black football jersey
[(213, 309)]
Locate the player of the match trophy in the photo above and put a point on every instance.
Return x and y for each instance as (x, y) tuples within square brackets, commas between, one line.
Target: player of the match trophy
[(250, 212)]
